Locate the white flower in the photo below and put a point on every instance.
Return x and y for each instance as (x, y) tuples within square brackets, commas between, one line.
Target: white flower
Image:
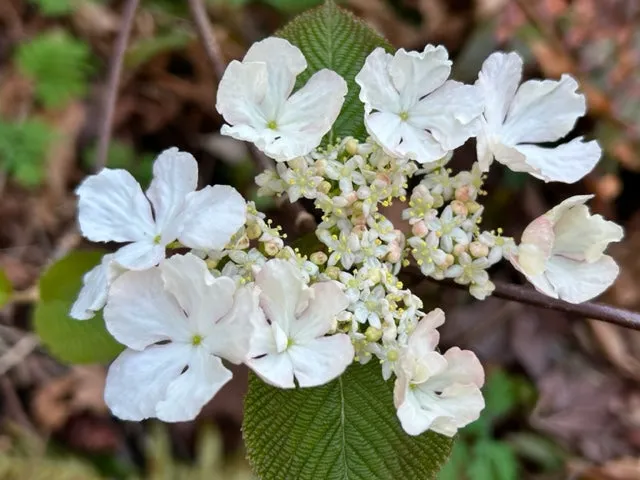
[(538, 111), (411, 109), (433, 391), (344, 248), (112, 208), (254, 96), (562, 252), (177, 322), (293, 343), (95, 288)]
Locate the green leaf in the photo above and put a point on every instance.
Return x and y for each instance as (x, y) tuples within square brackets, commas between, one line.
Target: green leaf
[(346, 429), (6, 289), (493, 461), (55, 8), (292, 6), (69, 340), (455, 467), (58, 64), (330, 37)]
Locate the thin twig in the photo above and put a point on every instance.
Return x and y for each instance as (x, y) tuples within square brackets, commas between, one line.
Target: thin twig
[(303, 220), (113, 83), (18, 352), (593, 310)]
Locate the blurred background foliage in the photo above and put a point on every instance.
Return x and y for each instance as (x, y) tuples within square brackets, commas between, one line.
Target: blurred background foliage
[(563, 399)]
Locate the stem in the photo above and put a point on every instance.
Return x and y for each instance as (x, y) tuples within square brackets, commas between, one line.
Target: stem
[(595, 311), (113, 83)]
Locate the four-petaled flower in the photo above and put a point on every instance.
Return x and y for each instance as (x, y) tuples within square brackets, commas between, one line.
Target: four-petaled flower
[(411, 109), (518, 117), (113, 208), (433, 391), (177, 321), (293, 343), (562, 252), (254, 97)]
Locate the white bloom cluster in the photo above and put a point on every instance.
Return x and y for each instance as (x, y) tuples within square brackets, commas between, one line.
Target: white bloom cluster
[(300, 318)]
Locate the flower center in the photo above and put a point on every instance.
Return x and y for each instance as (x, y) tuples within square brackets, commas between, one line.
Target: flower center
[(157, 239), (272, 125), (404, 116), (196, 340)]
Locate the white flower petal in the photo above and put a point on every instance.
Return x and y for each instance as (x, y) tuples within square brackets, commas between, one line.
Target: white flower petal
[(211, 216), (308, 115), (458, 406), (384, 127), (140, 312), (95, 287), (281, 287), (568, 162), (416, 74), (449, 113), (543, 111), (275, 369), (376, 88), (186, 395), (138, 381), (204, 299), (413, 419), (577, 282), (231, 336), (140, 255), (175, 174), (284, 63), (425, 337), (319, 361), (112, 208), (241, 91), (326, 302), (498, 81)]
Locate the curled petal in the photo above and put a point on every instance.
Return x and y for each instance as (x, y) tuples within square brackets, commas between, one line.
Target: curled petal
[(320, 360)]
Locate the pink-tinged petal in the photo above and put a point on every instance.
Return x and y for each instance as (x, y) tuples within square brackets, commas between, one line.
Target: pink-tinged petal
[(112, 208), (186, 395), (140, 255), (275, 369), (582, 236), (543, 111), (416, 74), (240, 93), (231, 336), (175, 174), (327, 300), (540, 233), (568, 162), (140, 312), (203, 298), (281, 287), (425, 337), (284, 63), (577, 282), (498, 81), (138, 381), (463, 367), (211, 216), (377, 91), (319, 361)]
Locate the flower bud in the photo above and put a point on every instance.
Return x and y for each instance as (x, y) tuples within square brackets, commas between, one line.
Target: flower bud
[(271, 248), (351, 146), (478, 249), (332, 272), (459, 208), (420, 229), (473, 207), (253, 231), (465, 193), (459, 249), (373, 334), (448, 261), (242, 243), (319, 258), (395, 253), (324, 187)]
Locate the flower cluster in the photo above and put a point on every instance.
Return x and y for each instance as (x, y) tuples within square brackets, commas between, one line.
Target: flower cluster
[(300, 318)]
